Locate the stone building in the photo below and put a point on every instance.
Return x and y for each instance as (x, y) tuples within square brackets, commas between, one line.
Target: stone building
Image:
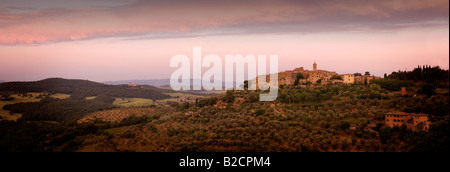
[(316, 76), (312, 76), (348, 78), (364, 79), (412, 121), (132, 85)]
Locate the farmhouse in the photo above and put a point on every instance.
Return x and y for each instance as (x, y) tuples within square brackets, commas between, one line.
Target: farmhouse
[(132, 85), (348, 78), (412, 121)]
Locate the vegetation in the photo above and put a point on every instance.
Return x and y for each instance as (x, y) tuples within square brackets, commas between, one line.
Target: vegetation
[(83, 88), (425, 73), (298, 78), (392, 84), (59, 110), (336, 77), (330, 118), (132, 102)]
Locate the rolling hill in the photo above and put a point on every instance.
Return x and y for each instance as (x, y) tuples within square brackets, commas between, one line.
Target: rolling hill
[(163, 83), (152, 82), (84, 88)]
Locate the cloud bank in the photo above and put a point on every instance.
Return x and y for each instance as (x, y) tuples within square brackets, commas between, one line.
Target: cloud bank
[(47, 22)]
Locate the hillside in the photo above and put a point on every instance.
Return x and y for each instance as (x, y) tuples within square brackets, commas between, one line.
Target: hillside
[(317, 118), (152, 82), (156, 82), (83, 88)]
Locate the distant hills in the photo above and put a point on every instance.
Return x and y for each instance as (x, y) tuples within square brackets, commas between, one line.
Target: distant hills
[(84, 88), (152, 82), (2, 81)]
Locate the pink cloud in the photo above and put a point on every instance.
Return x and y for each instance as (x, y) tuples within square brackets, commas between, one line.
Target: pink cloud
[(184, 17)]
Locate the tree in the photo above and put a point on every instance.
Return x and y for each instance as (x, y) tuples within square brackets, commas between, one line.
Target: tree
[(297, 78), (367, 73), (246, 85), (392, 84), (336, 77), (207, 102), (357, 74), (427, 89), (385, 135), (260, 112), (425, 73), (229, 97), (183, 106), (344, 125), (319, 81), (437, 140), (252, 98)]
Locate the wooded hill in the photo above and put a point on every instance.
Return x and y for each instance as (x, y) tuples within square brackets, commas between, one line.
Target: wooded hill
[(84, 88)]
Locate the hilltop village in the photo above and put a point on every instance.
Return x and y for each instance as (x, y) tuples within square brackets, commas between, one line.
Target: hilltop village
[(300, 76)]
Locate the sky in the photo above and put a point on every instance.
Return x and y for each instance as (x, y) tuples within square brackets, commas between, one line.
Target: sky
[(109, 40)]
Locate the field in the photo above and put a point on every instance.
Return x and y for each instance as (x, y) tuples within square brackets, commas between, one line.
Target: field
[(216, 92), (91, 98), (132, 102), (176, 97), (164, 101), (116, 114), (186, 95), (5, 115), (59, 96), (442, 91), (121, 102)]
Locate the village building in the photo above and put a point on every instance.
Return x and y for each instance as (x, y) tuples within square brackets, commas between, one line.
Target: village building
[(412, 121), (312, 76), (403, 91), (132, 85), (316, 77), (365, 79), (348, 78)]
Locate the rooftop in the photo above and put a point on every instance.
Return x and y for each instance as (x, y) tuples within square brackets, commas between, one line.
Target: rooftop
[(405, 114)]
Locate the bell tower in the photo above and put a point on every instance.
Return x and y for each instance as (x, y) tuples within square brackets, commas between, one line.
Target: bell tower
[(315, 66)]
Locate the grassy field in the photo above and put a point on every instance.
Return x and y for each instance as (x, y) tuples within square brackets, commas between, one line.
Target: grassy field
[(116, 114), (132, 102), (186, 95), (124, 102), (164, 101), (91, 98), (176, 97), (199, 92), (59, 96), (17, 99), (442, 91), (136, 102), (119, 130)]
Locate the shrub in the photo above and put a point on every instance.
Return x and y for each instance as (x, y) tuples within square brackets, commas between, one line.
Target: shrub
[(260, 112)]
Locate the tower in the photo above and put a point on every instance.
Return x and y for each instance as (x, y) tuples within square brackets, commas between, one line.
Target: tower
[(315, 66)]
